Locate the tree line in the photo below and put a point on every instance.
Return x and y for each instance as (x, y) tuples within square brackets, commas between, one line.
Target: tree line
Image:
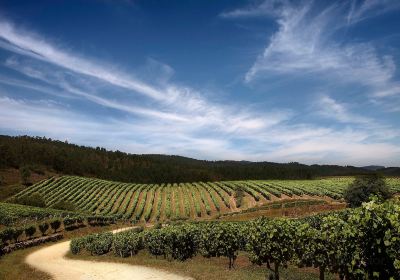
[(40, 154)]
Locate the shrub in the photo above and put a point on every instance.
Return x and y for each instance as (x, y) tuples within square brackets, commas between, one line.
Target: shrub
[(17, 233), (64, 205), (34, 199), (128, 243), (239, 194), (43, 228), (77, 244), (272, 242), (7, 235), (99, 244), (364, 187), (225, 239), (25, 174), (55, 224), (30, 231), (70, 223)]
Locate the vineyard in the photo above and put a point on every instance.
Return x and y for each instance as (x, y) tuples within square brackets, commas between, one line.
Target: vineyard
[(201, 200), (361, 243)]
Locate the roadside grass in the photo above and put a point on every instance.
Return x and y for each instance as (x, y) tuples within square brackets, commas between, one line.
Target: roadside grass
[(13, 266), (206, 268)]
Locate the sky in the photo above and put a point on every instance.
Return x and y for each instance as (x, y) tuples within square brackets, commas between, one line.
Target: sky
[(273, 80)]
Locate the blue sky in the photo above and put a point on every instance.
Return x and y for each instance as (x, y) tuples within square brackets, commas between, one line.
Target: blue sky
[(274, 80)]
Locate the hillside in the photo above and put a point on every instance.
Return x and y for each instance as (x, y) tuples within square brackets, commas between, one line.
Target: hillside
[(46, 155), (153, 202)]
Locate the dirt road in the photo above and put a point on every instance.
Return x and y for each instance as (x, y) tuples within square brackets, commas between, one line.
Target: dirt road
[(52, 260)]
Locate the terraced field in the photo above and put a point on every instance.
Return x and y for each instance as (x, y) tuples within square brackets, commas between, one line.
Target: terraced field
[(153, 202)]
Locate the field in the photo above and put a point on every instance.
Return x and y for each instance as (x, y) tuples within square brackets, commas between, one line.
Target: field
[(201, 200)]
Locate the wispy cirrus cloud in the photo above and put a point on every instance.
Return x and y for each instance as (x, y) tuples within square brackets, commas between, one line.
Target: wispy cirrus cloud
[(177, 103), (305, 142), (306, 43), (160, 116)]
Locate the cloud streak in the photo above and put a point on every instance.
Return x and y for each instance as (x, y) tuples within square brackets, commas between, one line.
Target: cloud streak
[(306, 43), (166, 117)]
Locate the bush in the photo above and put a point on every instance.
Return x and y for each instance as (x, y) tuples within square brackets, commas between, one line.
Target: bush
[(70, 223), (99, 244), (25, 174), (64, 205), (239, 194), (224, 239), (77, 244), (30, 231), (128, 243), (43, 228), (34, 199), (7, 235), (364, 187), (55, 224), (17, 233)]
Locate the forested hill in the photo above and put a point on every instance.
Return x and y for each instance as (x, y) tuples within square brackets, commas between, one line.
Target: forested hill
[(42, 153)]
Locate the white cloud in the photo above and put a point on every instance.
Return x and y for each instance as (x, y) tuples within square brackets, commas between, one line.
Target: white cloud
[(330, 108), (164, 117), (306, 43), (361, 10), (166, 101), (265, 8)]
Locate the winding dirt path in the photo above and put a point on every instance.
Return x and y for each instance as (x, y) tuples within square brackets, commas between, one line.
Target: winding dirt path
[(52, 261)]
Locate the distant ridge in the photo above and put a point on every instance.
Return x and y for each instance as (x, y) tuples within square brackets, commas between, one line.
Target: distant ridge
[(40, 153), (373, 167)]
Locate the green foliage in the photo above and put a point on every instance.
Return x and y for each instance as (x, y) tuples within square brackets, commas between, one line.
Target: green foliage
[(225, 239), (128, 243), (25, 174), (239, 194), (64, 205), (43, 228), (272, 242), (78, 160), (77, 244), (30, 231), (55, 224), (361, 243), (99, 244), (7, 235), (363, 187), (35, 199)]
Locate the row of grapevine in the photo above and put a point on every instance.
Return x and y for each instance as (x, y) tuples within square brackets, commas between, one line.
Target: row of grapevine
[(181, 201), (360, 243)]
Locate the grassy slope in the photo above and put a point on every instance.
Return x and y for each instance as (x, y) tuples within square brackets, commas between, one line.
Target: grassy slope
[(11, 181)]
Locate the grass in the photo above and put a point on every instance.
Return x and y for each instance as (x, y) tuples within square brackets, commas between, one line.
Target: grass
[(13, 266), (293, 212), (206, 268)]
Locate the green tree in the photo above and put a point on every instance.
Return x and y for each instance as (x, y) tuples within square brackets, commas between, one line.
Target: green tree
[(25, 174), (364, 187)]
